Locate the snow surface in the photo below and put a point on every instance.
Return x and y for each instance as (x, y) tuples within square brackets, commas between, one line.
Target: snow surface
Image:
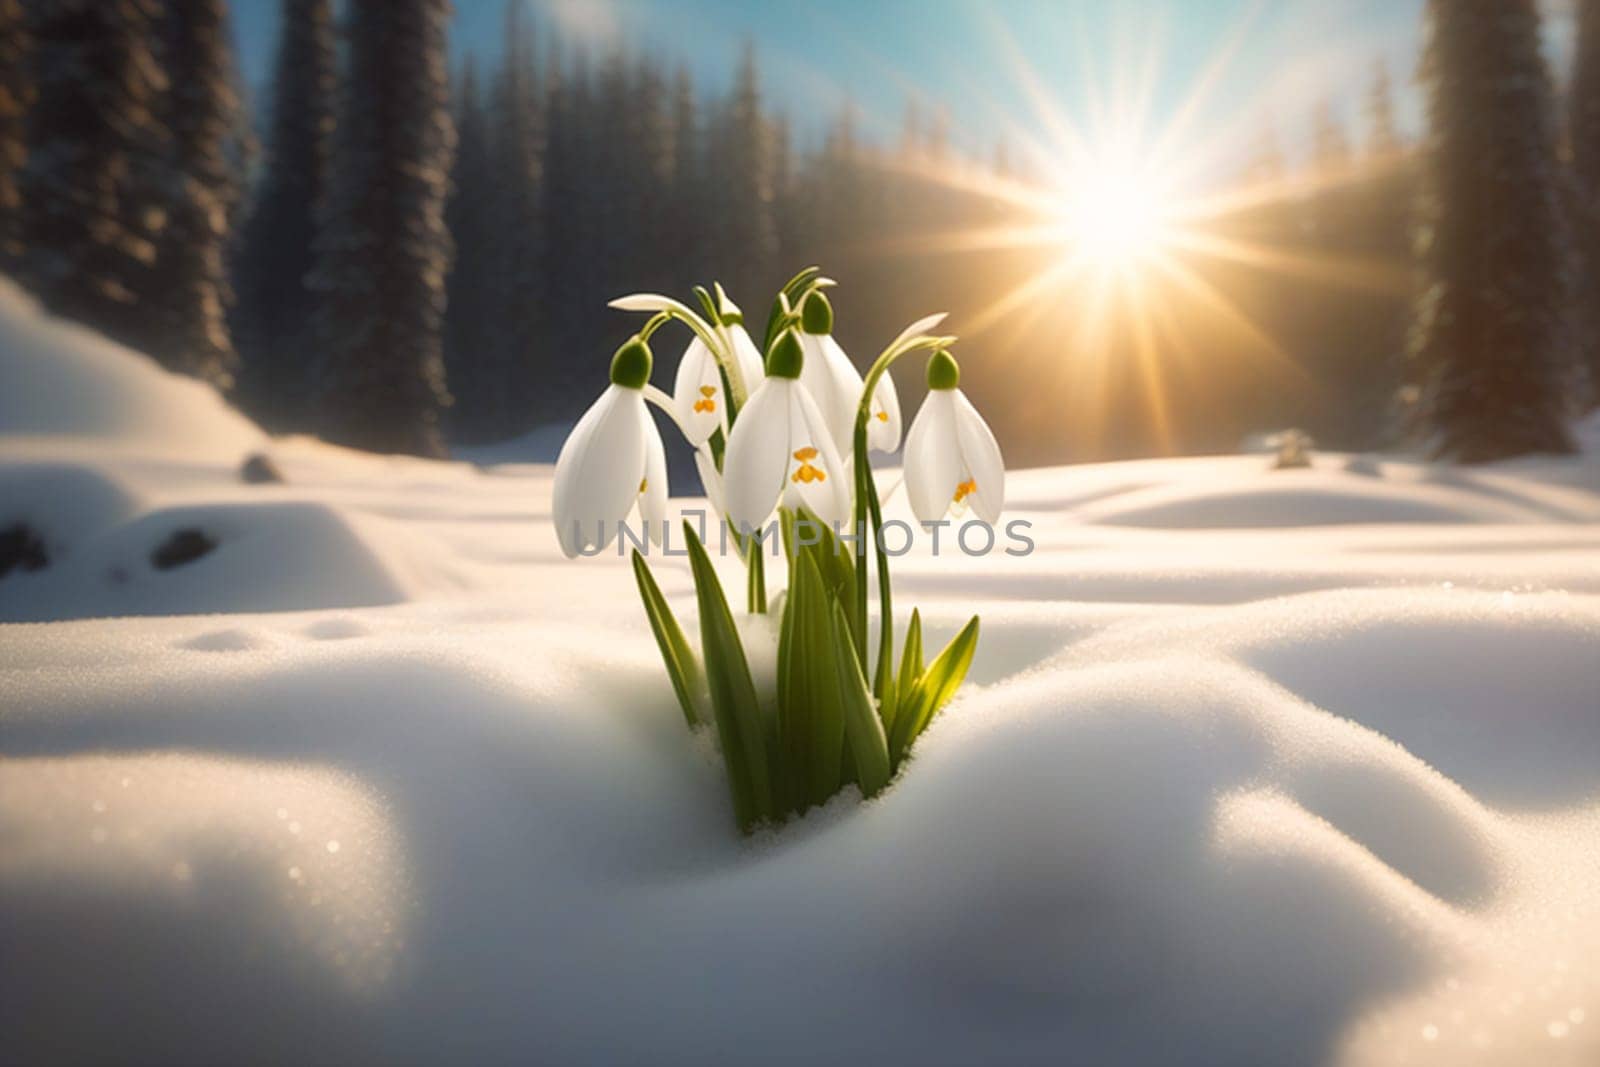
[(1254, 767)]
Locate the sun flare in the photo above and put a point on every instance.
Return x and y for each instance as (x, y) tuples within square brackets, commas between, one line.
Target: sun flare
[(1115, 216)]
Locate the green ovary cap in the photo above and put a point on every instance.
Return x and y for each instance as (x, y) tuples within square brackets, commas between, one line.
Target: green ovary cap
[(630, 367), (785, 357), (816, 314), (943, 371)]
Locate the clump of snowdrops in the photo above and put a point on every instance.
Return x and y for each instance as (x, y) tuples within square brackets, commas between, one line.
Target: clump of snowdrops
[(782, 434)]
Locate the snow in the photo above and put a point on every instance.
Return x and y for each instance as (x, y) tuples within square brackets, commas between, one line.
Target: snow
[(1253, 767)]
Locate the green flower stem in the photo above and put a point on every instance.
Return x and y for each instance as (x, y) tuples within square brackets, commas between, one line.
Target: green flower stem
[(654, 323), (756, 585), (660, 399), (867, 507)]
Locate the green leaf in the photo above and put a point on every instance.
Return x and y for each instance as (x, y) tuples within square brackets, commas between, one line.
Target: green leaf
[(869, 748), (933, 691), (815, 716), (786, 299), (675, 651), (905, 682), (702, 295), (836, 566), (733, 693)]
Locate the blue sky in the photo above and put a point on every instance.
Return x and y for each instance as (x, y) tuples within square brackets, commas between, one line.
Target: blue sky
[(1282, 56)]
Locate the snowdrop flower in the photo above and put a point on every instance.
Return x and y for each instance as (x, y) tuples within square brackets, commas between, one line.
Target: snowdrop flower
[(833, 380), (952, 458), (697, 393), (781, 449), (751, 365), (612, 461)]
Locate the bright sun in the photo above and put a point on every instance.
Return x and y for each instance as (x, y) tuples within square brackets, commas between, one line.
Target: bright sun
[(1115, 217)]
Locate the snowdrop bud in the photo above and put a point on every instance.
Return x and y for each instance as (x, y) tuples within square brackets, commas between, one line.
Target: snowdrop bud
[(816, 314), (630, 367), (786, 357), (943, 371)]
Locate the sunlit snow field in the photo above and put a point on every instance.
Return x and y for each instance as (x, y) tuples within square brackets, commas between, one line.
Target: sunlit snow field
[(1254, 767)]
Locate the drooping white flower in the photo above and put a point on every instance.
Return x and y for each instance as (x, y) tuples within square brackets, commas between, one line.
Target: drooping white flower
[(612, 462), (698, 394), (952, 460), (751, 365), (833, 380), (781, 449)]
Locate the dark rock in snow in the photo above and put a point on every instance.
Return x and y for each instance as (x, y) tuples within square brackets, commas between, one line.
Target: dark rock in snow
[(258, 469), (22, 548), (184, 546)]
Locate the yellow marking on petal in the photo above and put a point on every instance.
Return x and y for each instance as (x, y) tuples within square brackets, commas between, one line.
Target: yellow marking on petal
[(883, 416), (807, 473), (805, 454), (705, 405), (642, 483), (708, 390), (965, 489)]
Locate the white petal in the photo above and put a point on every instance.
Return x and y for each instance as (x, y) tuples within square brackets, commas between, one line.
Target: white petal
[(883, 433), (748, 355), (697, 372), (598, 470), (980, 454), (645, 302), (711, 479), (922, 325), (827, 498), (835, 385), (757, 460), (933, 467), (653, 501)]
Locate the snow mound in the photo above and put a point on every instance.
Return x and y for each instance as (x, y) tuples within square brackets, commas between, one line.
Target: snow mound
[(1288, 498), (211, 558), (1080, 862), (59, 379)]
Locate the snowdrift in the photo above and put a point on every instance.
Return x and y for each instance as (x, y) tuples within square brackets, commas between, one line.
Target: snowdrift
[(59, 379), (380, 777)]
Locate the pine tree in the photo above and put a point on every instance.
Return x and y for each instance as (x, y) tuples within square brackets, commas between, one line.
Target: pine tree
[(273, 321), (383, 250), (89, 134), (1488, 345), (1383, 136), (1583, 131), (16, 94), (475, 348), (743, 233), (1382, 231), (518, 121), (686, 180), (186, 304)]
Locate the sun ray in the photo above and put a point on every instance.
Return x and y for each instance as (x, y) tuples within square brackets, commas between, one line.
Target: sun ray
[(1352, 272)]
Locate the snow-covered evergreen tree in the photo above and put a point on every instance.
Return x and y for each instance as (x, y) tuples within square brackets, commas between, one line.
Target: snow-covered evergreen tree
[(1491, 360), (16, 93), (91, 132), (186, 302), (276, 250), (1583, 130), (383, 250)]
